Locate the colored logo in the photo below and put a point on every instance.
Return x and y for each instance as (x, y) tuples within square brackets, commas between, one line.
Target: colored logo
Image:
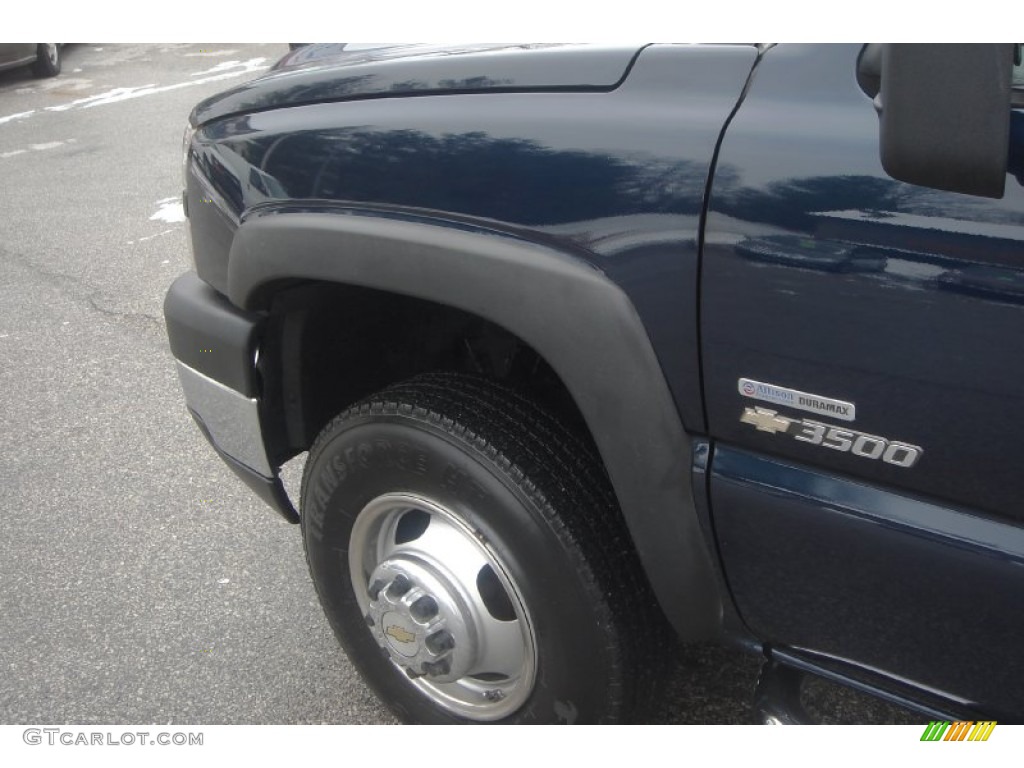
[(794, 398), (943, 730), (400, 634)]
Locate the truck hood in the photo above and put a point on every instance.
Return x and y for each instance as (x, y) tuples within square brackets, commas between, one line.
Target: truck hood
[(323, 73)]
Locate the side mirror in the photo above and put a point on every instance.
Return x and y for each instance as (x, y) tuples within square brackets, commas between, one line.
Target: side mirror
[(945, 114)]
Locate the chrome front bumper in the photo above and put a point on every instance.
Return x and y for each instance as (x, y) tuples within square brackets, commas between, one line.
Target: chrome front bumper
[(214, 345), (230, 419)]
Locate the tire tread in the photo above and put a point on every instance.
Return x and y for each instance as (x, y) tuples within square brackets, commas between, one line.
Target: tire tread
[(564, 479)]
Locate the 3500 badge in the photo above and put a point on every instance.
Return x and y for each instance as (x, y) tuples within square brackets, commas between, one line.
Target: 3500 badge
[(836, 438)]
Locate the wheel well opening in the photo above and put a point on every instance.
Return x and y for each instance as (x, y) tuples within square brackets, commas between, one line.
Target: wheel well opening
[(328, 346)]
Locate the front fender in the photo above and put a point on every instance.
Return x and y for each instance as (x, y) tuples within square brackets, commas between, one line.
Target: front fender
[(577, 319)]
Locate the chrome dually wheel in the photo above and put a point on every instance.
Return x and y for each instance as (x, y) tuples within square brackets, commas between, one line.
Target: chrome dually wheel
[(442, 606)]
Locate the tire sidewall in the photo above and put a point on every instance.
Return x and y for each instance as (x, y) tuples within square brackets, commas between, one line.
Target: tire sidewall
[(370, 455), (44, 66)]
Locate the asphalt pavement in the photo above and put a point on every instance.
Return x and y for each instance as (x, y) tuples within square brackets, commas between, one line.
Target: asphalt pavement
[(140, 581)]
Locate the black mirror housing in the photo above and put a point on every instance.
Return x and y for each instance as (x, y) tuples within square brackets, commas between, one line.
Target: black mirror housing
[(945, 115)]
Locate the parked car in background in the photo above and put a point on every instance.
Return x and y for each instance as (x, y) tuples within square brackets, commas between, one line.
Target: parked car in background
[(43, 58)]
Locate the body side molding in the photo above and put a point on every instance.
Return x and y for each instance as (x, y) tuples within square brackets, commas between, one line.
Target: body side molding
[(576, 318)]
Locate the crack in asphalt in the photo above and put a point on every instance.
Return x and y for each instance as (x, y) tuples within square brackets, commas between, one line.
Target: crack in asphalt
[(154, 323), (76, 289)]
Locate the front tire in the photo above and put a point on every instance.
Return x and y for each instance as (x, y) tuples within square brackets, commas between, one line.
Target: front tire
[(468, 552)]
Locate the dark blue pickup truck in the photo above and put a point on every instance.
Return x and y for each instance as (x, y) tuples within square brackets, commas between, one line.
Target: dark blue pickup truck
[(590, 346)]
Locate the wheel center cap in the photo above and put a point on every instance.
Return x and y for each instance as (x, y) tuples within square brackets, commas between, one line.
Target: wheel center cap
[(400, 634)]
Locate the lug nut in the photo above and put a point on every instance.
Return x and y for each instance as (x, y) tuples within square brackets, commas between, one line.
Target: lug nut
[(399, 586), (437, 668), (440, 641), (424, 609), (374, 590)]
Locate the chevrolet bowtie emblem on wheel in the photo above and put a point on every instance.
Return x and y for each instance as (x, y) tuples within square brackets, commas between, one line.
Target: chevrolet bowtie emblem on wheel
[(765, 420), (400, 634)]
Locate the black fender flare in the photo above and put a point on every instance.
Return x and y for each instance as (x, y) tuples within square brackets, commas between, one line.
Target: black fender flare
[(583, 325)]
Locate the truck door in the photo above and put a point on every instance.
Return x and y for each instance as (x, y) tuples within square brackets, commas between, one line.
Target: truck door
[(863, 366)]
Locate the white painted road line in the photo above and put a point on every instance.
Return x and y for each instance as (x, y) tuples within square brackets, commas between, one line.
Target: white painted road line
[(18, 116), (223, 71), (37, 148)]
